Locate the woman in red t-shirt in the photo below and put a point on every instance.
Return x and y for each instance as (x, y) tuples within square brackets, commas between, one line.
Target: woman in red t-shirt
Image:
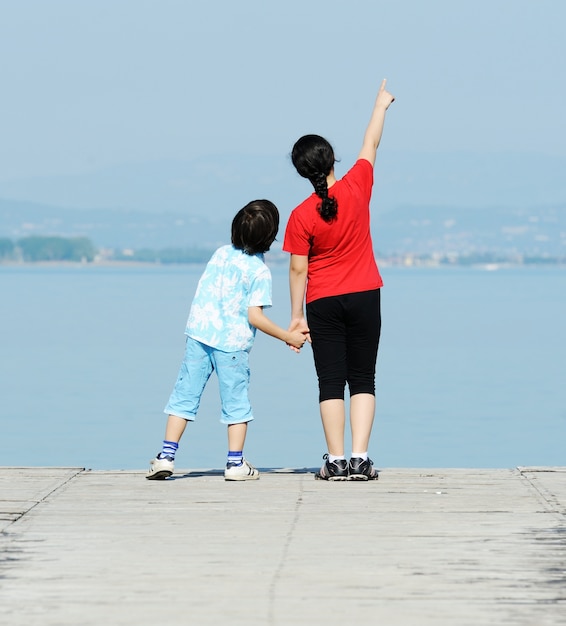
[(333, 267)]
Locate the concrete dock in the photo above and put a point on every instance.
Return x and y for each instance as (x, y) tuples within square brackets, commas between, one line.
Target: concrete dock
[(416, 548)]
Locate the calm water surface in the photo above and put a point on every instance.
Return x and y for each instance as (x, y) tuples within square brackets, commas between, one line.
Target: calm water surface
[(471, 371)]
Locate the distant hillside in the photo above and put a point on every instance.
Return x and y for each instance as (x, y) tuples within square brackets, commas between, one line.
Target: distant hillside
[(422, 203), (428, 230), (216, 186), (118, 228), (411, 229)]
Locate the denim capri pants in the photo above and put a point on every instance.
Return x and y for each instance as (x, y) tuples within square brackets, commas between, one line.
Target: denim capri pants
[(233, 371)]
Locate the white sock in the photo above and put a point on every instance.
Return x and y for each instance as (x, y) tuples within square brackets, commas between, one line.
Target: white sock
[(360, 455), (333, 459)]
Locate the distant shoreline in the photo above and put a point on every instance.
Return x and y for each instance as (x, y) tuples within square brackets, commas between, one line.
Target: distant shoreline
[(80, 251), (383, 263)]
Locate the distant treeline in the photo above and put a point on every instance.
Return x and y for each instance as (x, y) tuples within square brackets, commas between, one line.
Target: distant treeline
[(34, 249)]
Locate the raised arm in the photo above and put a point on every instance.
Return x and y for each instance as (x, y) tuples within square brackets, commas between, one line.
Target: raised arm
[(374, 129)]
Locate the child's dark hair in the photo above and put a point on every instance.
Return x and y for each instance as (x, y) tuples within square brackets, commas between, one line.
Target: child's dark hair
[(255, 227), (313, 158)]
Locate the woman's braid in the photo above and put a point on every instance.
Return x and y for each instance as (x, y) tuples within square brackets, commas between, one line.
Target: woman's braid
[(328, 208)]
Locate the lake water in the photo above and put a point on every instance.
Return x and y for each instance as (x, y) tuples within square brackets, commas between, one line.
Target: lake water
[(471, 371)]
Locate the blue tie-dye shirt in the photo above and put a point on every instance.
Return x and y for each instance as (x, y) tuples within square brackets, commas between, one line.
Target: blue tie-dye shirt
[(231, 282)]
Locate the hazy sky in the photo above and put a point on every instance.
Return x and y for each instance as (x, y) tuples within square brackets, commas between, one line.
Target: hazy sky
[(91, 83)]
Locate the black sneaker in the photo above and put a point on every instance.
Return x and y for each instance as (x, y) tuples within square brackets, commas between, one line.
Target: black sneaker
[(361, 469), (338, 470)]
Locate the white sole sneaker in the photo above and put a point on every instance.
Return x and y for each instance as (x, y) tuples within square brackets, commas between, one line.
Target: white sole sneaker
[(245, 471), (160, 469)]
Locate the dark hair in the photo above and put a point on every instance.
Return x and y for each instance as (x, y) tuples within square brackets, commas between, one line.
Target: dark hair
[(255, 227), (313, 158)]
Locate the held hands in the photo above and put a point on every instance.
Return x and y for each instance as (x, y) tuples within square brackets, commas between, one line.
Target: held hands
[(299, 334), (296, 340), (384, 98)]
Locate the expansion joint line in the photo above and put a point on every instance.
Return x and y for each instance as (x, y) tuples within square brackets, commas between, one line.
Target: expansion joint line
[(548, 499), (46, 496), (284, 554)]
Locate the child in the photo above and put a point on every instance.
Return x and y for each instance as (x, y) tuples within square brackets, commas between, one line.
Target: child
[(226, 310)]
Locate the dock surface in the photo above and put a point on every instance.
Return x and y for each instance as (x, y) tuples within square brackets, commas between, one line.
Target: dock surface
[(416, 548)]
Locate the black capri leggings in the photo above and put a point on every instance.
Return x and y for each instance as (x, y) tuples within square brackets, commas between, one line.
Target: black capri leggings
[(345, 336)]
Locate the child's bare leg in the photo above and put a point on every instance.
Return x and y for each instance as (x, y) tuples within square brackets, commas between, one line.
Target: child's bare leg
[(237, 467), (333, 417), (362, 411), (161, 467), (237, 436), (175, 428)]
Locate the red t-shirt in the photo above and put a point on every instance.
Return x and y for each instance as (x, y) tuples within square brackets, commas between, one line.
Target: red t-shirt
[(340, 253)]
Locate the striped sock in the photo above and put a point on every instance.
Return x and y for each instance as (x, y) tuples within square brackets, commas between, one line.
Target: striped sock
[(169, 449), (235, 457)]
